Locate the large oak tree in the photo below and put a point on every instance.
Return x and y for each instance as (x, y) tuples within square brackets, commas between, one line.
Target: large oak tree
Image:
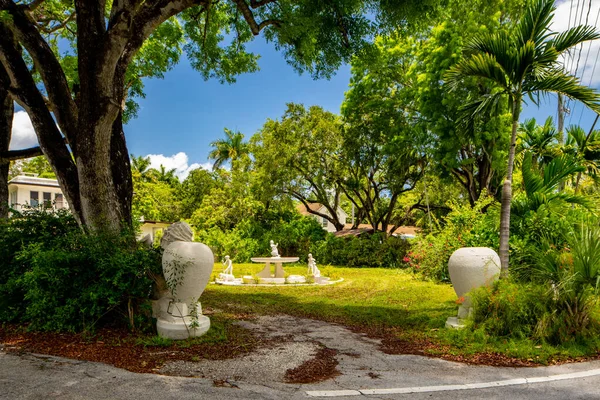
[(79, 122)]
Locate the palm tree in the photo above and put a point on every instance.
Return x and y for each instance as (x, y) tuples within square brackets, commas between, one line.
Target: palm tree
[(141, 165), (231, 148), (540, 140), (522, 61), (586, 149), (167, 176), (541, 184)]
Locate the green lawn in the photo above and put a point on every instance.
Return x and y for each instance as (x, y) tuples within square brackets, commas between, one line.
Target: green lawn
[(378, 300), (367, 297)]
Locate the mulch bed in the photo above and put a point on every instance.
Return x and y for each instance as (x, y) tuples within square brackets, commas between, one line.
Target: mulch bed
[(123, 349), (317, 369)]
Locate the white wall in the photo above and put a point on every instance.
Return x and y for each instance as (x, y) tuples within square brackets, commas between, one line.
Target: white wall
[(24, 191), (330, 227)]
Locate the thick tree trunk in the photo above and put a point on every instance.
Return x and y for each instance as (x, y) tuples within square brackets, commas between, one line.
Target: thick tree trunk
[(6, 117), (100, 206), (507, 192), (121, 171)]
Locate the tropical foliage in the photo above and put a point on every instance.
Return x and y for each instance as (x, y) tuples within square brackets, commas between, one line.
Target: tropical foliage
[(522, 61)]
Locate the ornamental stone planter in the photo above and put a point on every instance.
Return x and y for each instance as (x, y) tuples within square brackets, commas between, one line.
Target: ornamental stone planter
[(471, 268), (187, 267)]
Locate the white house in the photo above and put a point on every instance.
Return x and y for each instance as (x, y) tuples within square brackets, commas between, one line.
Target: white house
[(25, 190), (152, 228), (328, 226), (30, 191)]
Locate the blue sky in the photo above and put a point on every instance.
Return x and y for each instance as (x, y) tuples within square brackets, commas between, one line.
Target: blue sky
[(182, 114)]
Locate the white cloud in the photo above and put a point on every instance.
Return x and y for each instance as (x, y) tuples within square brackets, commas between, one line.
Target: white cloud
[(23, 134), (178, 161), (587, 54)]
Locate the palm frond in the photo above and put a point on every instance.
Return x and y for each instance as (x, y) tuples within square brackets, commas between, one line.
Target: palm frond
[(523, 61), (484, 105), (534, 25), (557, 81), (532, 182), (500, 44), (559, 169), (482, 65), (574, 36)]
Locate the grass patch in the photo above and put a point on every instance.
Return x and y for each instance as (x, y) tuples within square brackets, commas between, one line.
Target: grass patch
[(390, 301), (372, 297)]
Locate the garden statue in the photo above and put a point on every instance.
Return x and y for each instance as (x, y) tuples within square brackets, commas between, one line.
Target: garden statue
[(226, 277), (274, 251), (228, 266), (471, 268), (312, 267), (187, 267)]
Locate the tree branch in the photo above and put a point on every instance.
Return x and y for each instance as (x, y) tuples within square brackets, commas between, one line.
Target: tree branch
[(13, 155), (260, 3), (34, 4), (49, 137), (48, 66), (57, 27), (255, 27)]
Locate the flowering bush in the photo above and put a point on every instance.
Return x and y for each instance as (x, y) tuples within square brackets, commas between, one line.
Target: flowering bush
[(464, 226)]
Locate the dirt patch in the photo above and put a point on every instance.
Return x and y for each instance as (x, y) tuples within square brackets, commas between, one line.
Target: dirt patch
[(320, 368), (123, 349), (266, 365)]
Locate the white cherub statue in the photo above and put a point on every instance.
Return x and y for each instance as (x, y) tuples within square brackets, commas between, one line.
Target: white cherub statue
[(274, 251), (312, 267), (228, 266)]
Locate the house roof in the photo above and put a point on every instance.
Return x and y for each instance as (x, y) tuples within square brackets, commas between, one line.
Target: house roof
[(33, 180), (312, 206), (316, 207), (149, 222), (367, 228)]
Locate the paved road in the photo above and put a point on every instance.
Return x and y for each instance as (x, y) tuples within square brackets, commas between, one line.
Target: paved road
[(42, 377), (363, 369)]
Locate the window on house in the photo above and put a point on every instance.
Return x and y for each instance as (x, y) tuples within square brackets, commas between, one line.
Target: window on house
[(59, 201), (47, 199), (34, 199), (13, 198), (324, 222)]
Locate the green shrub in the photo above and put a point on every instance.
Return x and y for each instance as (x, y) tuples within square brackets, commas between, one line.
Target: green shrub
[(464, 226), (570, 269), (373, 251), (509, 309), (535, 311), (59, 278), (294, 233)]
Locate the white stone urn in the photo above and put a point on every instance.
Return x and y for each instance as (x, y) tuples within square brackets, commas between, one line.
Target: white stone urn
[(471, 268), (187, 267)]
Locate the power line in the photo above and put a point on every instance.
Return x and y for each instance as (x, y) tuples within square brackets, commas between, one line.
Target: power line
[(585, 63), (575, 105), (571, 60)]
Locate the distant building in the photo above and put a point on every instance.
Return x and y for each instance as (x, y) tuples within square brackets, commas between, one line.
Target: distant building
[(404, 232), (328, 226), (152, 228), (31, 191)]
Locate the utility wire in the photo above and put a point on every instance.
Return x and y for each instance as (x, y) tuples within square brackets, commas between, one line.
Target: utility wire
[(575, 104), (568, 62), (585, 64)]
